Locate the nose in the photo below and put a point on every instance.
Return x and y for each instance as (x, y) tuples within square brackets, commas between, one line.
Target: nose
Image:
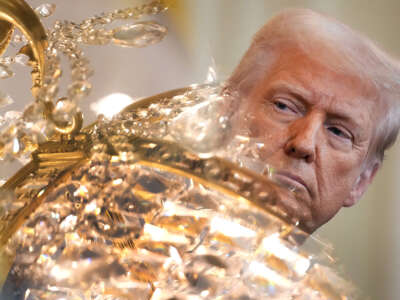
[(302, 142)]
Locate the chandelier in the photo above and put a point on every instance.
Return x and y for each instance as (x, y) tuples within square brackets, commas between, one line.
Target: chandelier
[(166, 200)]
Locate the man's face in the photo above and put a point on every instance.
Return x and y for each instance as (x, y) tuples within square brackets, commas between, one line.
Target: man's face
[(317, 126)]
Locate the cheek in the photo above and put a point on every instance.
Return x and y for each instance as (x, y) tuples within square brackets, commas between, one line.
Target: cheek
[(256, 122), (339, 166), (337, 177), (345, 167), (262, 125)]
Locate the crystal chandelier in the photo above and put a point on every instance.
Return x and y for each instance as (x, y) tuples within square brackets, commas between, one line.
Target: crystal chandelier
[(164, 201)]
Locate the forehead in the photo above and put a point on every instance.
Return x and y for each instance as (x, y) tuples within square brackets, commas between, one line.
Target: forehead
[(329, 76), (318, 83)]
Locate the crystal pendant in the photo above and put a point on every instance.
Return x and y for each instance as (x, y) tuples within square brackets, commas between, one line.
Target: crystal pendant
[(5, 72), (45, 10), (18, 39), (139, 35), (203, 127), (6, 60), (21, 59), (5, 99), (12, 116), (79, 89), (64, 110)]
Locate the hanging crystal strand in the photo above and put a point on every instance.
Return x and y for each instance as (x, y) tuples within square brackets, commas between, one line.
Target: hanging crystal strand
[(91, 31), (140, 34), (21, 135)]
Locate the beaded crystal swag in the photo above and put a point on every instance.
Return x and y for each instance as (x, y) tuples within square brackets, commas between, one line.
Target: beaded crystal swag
[(44, 117)]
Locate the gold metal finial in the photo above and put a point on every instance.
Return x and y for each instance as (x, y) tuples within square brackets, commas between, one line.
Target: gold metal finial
[(19, 14)]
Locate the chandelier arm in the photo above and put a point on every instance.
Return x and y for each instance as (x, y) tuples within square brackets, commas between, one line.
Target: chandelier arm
[(6, 31), (17, 13)]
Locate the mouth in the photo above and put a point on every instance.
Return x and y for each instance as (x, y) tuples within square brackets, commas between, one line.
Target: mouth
[(295, 198), (292, 182)]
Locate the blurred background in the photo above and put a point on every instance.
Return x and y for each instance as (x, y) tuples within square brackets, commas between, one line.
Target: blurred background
[(206, 40)]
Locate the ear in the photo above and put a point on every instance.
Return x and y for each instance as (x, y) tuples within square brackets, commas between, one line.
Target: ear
[(362, 183)]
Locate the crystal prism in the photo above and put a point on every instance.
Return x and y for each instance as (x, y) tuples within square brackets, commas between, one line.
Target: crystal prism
[(201, 127), (139, 35), (6, 60), (19, 39), (21, 59), (45, 10), (5, 99), (64, 110), (79, 89), (5, 72), (12, 115)]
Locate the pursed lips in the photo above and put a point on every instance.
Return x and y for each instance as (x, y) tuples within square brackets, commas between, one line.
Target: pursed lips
[(292, 180)]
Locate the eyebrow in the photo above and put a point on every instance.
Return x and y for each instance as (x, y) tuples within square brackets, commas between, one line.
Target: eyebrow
[(299, 93), (305, 97), (295, 91)]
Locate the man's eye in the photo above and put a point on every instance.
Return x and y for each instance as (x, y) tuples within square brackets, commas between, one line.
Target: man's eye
[(283, 106), (339, 132)]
